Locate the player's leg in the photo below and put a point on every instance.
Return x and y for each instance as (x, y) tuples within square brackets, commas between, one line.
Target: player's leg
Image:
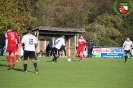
[(64, 50), (77, 53), (25, 65), (81, 56), (13, 59), (127, 54), (17, 56), (8, 59), (34, 60), (25, 60), (13, 54), (59, 53), (55, 54)]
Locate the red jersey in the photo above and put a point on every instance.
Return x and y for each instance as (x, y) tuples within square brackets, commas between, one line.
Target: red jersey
[(81, 44), (11, 37)]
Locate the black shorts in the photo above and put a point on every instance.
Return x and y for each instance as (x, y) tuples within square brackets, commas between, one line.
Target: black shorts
[(56, 51), (126, 51), (29, 54)]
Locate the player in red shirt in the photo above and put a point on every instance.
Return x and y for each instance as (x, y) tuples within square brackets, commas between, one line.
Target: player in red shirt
[(11, 37), (80, 47)]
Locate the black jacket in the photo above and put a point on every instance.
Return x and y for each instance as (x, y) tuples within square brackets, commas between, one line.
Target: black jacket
[(90, 44)]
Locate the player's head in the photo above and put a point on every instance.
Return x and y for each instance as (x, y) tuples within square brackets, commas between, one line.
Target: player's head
[(63, 36), (29, 30), (9, 27), (53, 38), (80, 37), (90, 39), (128, 39)]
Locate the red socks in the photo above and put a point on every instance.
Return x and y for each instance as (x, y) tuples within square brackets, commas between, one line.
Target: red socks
[(8, 59), (13, 60), (17, 56), (80, 58)]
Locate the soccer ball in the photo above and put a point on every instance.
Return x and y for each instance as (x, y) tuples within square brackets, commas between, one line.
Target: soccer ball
[(69, 59)]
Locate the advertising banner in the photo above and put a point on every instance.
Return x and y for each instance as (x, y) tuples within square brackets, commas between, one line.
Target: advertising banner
[(97, 52), (108, 52)]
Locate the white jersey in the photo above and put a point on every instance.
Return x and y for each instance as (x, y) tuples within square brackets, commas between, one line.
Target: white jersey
[(127, 45), (59, 42), (29, 40)]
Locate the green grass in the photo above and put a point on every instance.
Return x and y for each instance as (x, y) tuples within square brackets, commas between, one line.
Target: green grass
[(90, 73)]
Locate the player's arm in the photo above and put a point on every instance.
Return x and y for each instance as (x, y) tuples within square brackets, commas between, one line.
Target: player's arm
[(36, 44), (123, 45), (132, 46), (17, 38), (21, 43), (6, 40), (77, 45), (57, 41)]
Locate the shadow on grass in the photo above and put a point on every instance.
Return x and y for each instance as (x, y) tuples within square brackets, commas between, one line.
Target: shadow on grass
[(117, 61), (3, 60), (17, 69), (48, 61), (73, 60), (3, 65)]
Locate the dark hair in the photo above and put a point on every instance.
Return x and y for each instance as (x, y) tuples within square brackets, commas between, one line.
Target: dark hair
[(9, 27), (29, 30)]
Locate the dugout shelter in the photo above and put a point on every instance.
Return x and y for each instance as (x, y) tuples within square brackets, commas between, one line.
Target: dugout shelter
[(44, 34)]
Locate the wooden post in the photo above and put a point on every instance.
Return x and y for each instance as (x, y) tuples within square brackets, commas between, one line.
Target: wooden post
[(75, 43), (69, 50), (38, 41), (45, 44)]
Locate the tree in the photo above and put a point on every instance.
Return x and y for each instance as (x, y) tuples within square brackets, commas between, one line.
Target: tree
[(16, 13), (63, 13), (102, 30)]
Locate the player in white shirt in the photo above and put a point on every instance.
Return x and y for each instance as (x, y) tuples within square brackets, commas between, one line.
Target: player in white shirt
[(58, 50), (30, 43), (127, 46)]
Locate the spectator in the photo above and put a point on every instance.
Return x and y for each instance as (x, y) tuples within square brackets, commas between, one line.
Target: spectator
[(2, 44), (52, 45), (90, 45)]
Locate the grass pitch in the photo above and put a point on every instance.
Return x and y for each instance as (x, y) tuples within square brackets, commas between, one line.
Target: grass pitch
[(90, 73)]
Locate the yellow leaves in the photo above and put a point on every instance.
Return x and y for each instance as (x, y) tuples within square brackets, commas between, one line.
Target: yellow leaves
[(16, 13)]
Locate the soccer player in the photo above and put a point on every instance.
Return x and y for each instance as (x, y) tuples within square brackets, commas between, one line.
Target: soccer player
[(58, 50), (30, 42), (127, 46), (80, 47), (11, 38)]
